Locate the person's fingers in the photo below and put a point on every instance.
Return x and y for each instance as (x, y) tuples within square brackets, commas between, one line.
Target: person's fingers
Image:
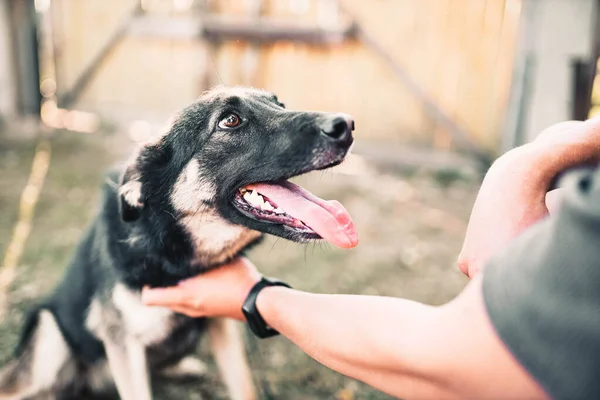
[(190, 312), (174, 299), (586, 132), (553, 200), (463, 265), (167, 297), (558, 129), (561, 147)]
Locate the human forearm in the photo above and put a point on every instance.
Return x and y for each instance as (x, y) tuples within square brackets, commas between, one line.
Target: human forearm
[(380, 341), (514, 193), (403, 348)]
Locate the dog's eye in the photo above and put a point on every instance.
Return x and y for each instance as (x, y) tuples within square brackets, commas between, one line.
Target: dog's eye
[(230, 121)]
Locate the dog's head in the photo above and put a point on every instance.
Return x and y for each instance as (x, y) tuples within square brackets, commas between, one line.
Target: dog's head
[(222, 169)]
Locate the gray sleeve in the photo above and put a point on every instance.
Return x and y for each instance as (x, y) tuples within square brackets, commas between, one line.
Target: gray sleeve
[(542, 294)]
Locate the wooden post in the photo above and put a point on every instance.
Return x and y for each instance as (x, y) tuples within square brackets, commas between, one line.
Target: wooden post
[(513, 126), (584, 72), (23, 20), (8, 96)]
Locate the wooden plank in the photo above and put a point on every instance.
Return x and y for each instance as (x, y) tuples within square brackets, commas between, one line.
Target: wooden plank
[(462, 137), (165, 27), (220, 29), (444, 47), (491, 49), (468, 89), (83, 80), (504, 72), (267, 30)]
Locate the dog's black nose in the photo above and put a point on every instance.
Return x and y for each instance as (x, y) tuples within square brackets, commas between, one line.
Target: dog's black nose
[(338, 127)]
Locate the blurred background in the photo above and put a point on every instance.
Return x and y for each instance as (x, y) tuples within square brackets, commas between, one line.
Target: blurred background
[(438, 89)]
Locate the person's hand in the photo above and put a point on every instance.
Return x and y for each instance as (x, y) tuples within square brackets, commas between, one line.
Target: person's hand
[(514, 194), (217, 293)]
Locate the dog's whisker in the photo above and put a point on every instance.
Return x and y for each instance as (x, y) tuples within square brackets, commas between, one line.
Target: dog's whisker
[(274, 243)]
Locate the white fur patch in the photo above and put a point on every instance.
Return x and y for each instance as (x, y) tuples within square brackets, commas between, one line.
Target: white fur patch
[(99, 377), (94, 317), (146, 324), (228, 348), (132, 193), (132, 240), (189, 191), (128, 366), (50, 353), (51, 356), (46, 364), (187, 367)]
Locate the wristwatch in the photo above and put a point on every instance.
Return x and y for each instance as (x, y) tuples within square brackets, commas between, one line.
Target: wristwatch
[(256, 323)]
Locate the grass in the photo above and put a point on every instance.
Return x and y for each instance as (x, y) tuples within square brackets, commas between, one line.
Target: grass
[(410, 229)]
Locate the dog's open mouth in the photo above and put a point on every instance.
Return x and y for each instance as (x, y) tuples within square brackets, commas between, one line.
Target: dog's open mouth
[(288, 204)]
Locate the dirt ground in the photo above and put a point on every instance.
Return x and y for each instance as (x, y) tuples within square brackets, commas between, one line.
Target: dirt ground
[(410, 226)]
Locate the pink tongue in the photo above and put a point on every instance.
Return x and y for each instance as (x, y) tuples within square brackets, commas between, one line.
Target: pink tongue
[(327, 218)]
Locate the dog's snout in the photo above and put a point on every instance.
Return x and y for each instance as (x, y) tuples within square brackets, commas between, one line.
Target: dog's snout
[(338, 127)]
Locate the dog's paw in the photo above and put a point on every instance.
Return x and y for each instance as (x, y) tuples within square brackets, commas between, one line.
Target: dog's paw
[(188, 368)]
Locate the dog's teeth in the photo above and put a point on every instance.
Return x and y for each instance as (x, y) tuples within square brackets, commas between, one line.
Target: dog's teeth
[(259, 199), (267, 206), (243, 191), (278, 211), (254, 199)]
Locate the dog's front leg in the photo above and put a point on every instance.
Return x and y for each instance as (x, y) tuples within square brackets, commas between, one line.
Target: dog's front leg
[(229, 351), (129, 368)]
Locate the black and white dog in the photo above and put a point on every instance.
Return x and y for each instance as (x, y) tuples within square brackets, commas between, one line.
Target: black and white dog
[(191, 200)]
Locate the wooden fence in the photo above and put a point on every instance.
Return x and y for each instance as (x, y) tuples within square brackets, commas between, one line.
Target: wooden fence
[(460, 52)]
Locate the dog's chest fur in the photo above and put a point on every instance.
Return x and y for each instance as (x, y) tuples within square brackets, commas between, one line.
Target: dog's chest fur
[(149, 325), (123, 313)]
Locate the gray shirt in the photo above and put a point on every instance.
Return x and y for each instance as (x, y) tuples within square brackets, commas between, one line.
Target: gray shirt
[(542, 294)]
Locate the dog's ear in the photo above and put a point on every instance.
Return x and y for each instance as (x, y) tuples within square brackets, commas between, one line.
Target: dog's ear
[(130, 193), (132, 199)]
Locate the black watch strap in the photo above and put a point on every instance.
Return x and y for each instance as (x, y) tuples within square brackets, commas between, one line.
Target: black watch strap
[(256, 323)]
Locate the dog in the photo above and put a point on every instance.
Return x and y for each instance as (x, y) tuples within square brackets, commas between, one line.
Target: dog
[(196, 197)]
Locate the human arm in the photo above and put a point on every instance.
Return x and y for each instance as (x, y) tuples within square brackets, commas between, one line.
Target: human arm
[(406, 349), (403, 348), (514, 194)]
